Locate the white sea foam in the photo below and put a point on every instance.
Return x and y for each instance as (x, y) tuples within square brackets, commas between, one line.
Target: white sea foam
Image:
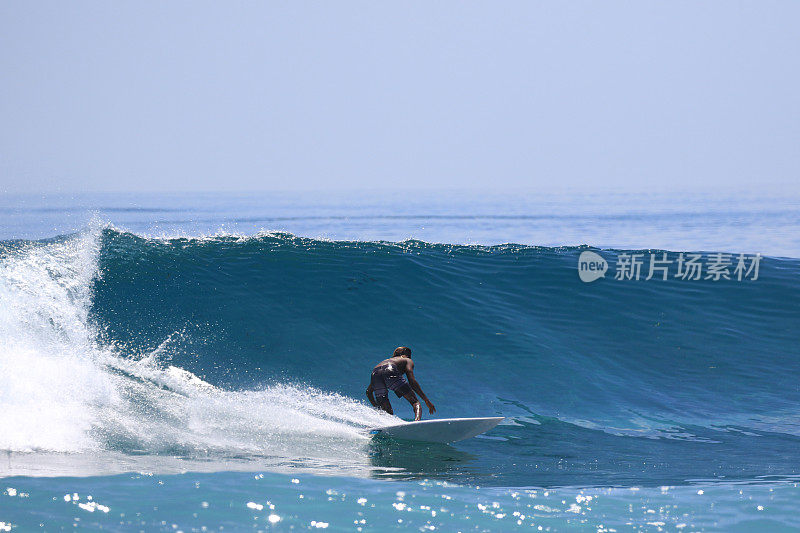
[(63, 392)]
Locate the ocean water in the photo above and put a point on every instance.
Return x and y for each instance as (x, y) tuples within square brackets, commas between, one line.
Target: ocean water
[(198, 362)]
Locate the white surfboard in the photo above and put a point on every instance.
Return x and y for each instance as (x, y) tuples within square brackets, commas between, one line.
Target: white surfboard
[(442, 430)]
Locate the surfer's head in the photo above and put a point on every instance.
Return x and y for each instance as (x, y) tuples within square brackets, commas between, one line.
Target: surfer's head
[(402, 351)]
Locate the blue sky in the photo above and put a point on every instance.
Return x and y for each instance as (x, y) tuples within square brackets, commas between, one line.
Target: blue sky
[(152, 96)]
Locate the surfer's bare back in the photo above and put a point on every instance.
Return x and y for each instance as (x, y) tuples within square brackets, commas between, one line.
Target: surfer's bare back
[(388, 374)]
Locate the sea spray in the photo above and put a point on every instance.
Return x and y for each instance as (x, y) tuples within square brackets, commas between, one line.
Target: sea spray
[(68, 390)]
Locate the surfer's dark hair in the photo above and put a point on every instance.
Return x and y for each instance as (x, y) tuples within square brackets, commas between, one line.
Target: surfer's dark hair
[(402, 350)]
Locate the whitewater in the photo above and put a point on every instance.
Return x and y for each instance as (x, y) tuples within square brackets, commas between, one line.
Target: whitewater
[(68, 392)]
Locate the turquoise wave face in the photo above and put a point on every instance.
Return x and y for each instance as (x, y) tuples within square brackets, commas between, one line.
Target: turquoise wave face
[(237, 353), (612, 382)]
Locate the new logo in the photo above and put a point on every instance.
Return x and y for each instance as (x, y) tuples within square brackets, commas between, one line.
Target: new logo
[(591, 266)]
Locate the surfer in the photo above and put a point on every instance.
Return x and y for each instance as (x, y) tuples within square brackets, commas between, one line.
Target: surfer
[(388, 374)]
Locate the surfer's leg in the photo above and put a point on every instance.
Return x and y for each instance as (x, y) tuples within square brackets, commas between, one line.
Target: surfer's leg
[(412, 399), (381, 391), (385, 405)]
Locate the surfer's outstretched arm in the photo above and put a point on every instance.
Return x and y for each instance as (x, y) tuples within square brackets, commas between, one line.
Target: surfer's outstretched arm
[(412, 399), (371, 396), (415, 386)]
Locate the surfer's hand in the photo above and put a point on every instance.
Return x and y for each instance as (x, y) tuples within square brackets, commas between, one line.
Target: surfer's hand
[(431, 407)]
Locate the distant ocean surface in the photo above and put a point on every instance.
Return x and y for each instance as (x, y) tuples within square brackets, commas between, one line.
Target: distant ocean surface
[(198, 362)]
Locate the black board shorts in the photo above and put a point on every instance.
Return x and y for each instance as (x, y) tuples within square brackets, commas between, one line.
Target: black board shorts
[(388, 377)]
